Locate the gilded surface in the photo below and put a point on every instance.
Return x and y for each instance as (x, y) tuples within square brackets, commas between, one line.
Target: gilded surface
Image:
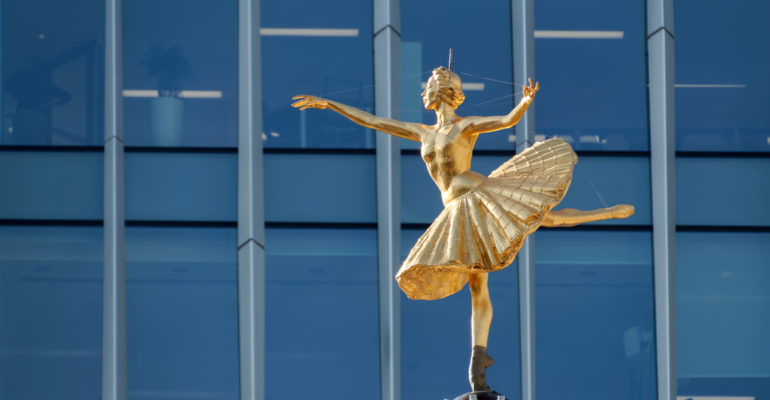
[(485, 219)]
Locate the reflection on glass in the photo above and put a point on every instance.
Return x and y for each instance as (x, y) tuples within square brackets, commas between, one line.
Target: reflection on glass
[(50, 312), (595, 323), (182, 312), (324, 48), (322, 323), (52, 73), (593, 73), (180, 60), (722, 319), (722, 84), (482, 59)]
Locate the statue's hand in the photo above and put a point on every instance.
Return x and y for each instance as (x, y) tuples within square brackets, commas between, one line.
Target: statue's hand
[(531, 89), (305, 101)]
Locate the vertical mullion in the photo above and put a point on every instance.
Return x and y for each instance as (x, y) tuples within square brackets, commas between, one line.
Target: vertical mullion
[(251, 226), (660, 49), (523, 20), (114, 281), (387, 49)]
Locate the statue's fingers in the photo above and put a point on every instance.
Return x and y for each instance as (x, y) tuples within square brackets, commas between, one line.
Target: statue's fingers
[(299, 103), (537, 86), (299, 96), (530, 82)]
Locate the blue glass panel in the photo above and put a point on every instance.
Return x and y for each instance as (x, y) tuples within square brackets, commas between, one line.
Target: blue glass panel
[(590, 60), (722, 319), (180, 65), (44, 185), (322, 49), (436, 338), (322, 327), (482, 58), (181, 186), (595, 322), (724, 191), (597, 182), (52, 90), (50, 312), (182, 313), (723, 89), (320, 188)]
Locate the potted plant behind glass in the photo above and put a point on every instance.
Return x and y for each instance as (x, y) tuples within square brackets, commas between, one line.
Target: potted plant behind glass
[(169, 67)]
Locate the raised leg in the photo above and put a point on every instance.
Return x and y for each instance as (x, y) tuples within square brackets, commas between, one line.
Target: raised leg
[(572, 217), (481, 319)]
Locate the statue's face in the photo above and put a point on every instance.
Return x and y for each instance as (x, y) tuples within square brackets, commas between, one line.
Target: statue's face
[(431, 96), (440, 79)]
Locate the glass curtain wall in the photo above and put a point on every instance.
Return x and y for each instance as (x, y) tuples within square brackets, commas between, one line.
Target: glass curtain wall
[(322, 325), (51, 172), (723, 224), (595, 325), (180, 95), (594, 283)]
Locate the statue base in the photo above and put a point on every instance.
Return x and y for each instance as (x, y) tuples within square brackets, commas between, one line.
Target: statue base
[(481, 396)]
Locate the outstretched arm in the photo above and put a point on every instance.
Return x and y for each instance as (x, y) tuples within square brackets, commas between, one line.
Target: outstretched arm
[(478, 125), (404, 130)]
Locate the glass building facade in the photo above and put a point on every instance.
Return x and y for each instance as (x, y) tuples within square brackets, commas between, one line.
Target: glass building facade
[(171, 228)]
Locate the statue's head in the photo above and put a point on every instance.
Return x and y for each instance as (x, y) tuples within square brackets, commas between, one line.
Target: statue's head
[(443, 86)]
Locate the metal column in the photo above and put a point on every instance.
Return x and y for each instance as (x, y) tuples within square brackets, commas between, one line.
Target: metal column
[(523, 67), (114, 280), (660, 49), (251, 218), (387, 52)]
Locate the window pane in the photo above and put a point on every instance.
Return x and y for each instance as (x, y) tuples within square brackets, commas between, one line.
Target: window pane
[(52, 72), (723, 90), (50, 312), (482, 58), (322, 49), (590, 58), (51, 185), (723, 322), (436, 337), (322, 323), (595, 321), (724, 191), (181, 186), (180, 65), (182, 312), (320, 188)]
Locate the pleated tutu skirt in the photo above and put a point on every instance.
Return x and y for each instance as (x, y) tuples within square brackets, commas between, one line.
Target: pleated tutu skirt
[(483, 229)]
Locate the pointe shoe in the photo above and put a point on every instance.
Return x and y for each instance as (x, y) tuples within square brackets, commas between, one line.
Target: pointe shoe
[(477, 373)]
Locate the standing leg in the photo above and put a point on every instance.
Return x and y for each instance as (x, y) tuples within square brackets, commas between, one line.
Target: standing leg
[(481, 319)]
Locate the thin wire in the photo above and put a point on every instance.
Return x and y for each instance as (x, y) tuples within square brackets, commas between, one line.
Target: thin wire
[(493, 100), (491, 79), (591, 184), (371, 86)]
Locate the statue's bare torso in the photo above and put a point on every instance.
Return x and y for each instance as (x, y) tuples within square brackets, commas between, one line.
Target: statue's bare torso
[(447, 152)]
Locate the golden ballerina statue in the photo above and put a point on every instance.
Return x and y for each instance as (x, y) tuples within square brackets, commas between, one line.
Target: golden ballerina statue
[(485, 219)]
